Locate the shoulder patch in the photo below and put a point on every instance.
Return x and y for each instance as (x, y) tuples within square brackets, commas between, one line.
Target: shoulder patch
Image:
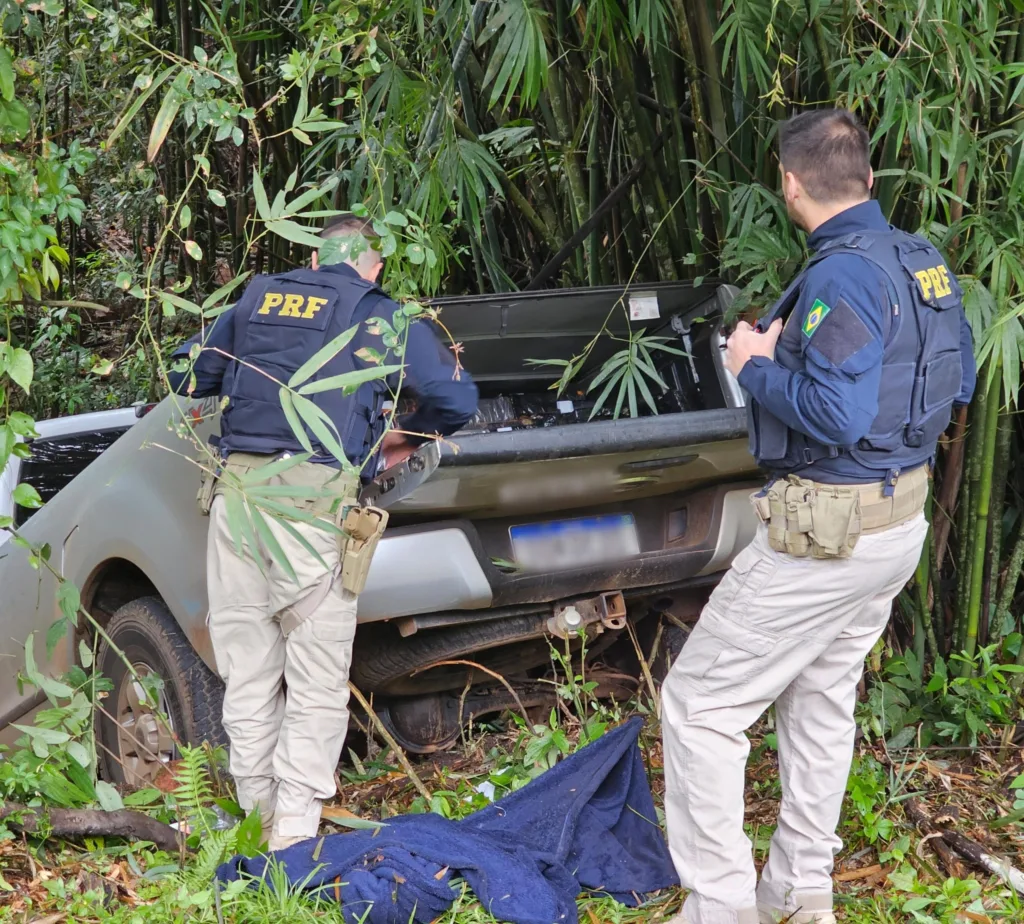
[(839, 333), (814, 317)]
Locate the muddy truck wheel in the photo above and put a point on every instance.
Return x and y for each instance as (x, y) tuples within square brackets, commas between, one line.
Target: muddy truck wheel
[(137, 738)]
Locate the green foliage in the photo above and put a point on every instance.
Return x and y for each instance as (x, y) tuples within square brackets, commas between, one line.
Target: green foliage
[(929, 905), (55, 758), (907, 708), (629, 374), (867, 800)]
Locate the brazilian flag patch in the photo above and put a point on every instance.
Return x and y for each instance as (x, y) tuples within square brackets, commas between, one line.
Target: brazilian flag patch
[(814, 317)]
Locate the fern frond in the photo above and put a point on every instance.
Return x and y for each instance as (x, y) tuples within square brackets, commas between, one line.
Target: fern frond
[(194, 791)]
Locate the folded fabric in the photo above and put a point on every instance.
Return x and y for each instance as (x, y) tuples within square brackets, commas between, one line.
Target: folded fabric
[(586, 825)]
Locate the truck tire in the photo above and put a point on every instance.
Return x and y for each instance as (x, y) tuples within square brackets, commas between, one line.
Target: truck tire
[(139, 744), (673, 638)]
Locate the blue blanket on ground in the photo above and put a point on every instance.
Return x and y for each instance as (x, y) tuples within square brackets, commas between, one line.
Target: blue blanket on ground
[(588, 824)]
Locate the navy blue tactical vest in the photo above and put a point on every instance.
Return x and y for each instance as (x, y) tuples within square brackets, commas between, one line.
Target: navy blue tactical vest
[(279, 323), (921, 362)]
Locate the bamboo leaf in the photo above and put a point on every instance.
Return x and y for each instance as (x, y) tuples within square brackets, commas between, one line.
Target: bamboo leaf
[(644, 363), (169, 298), (264, 473), (225, 290), (608, 368), (296, 233), (260, 195), (6, 74), (294, 514), (166, 114), (288, 406), (322, 426), (277, 206), (270, 543), (240, 526), (621, 397), (311, 195), (322, 356), (603, 396), (283, 490), (303, 541), (645, 391), (140, 101), (349, 379), (235, 513)]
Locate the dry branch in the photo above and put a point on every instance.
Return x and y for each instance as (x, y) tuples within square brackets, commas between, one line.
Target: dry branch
[(925, 824), (79, 823), (979, 856)]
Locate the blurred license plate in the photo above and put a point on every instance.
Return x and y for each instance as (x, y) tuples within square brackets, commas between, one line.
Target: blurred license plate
[(574, 543)]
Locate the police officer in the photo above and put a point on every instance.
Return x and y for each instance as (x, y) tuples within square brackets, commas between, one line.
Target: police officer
[(851, 377), (269, 627)]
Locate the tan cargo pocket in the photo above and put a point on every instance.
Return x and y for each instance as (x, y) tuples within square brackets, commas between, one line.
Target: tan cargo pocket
[(332, 629), (749, 574), (722, 656)]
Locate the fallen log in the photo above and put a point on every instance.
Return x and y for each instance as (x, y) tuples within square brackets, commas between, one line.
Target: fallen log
[(975, 853), (78, 823), (925, 824)]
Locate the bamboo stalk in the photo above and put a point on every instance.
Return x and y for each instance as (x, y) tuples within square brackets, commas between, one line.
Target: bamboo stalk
[(952, 476), (924, 631), (513, 192), (563, 127), (716, 104), (822, 49), (473, 24), (1010, 581), (702, 136), (594, 177), (1004, 428), (969, 507), (984, 497)]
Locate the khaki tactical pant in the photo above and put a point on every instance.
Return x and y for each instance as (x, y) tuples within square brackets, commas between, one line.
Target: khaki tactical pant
[(794, 632), (269, 630)]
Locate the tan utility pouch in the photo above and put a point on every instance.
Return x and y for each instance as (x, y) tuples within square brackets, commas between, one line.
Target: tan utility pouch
[(363, 527), (808, 520), (207, 490), (835, 522)]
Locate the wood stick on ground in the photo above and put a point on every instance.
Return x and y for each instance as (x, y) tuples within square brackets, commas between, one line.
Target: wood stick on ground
[(923, 821), (78, 823), (978, 855), (386, 735)]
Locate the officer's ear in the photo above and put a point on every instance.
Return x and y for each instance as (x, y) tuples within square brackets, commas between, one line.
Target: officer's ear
[(791, 187), (315, 260), (375, 271), (871, 179)]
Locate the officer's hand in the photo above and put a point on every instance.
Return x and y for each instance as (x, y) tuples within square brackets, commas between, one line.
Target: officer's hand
[(746, 342), (395, 449)]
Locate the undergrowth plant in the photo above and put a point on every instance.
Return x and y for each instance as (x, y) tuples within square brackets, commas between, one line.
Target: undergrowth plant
[(906, 707)]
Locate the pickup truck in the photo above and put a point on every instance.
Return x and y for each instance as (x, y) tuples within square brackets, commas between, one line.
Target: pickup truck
[(537, 526)]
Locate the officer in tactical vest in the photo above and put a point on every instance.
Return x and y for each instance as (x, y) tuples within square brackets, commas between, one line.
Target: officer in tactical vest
[(269, 627), (852, 378)]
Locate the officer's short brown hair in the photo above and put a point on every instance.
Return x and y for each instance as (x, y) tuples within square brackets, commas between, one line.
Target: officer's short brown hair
[(352, 226), (828, 151), (345, 225)]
